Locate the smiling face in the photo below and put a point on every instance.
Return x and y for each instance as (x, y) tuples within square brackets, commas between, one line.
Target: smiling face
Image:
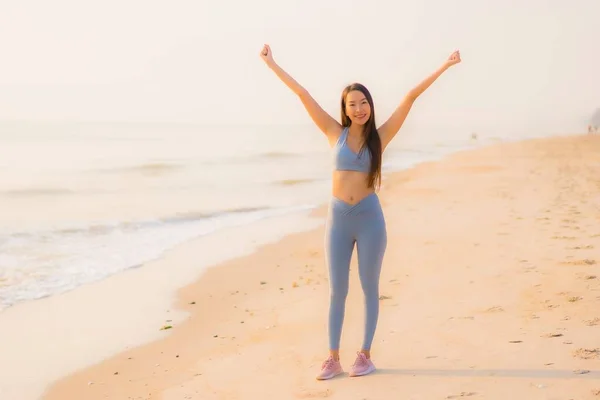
[(357, 107)]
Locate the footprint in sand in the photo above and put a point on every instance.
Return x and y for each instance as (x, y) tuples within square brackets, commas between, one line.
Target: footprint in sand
[(462, 394), (588, 247), (587, 354), (593, 322), (552, 335), (314, 394), (585, 261), (494, 309), (548, 305), (564, 237)]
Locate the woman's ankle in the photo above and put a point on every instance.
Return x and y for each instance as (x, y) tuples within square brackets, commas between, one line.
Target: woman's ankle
[(335, 354)]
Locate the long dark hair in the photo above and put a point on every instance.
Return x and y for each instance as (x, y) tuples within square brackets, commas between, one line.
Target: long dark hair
[(372, 140)]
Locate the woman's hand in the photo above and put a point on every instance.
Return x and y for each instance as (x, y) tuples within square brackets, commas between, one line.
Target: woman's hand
[(453, 59), (267, 55)]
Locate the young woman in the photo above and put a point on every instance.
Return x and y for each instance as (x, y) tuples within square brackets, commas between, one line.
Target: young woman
[(355, 214)]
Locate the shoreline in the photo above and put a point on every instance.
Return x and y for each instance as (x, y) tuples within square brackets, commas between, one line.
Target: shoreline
[(216, 302), (144, 297), (47, 235)]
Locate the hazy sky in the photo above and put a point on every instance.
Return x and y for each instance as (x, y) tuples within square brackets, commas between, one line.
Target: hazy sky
[(197, 60)]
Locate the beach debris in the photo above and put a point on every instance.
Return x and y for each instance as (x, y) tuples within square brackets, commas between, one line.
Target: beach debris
[(263, 282), (294, 284), (215, 336), (383, 297), (515, 341), (581, 371), (574, 299), (547, 364), (590, 277), (116, 373), (192, 302), (596, 392), (165, 327)]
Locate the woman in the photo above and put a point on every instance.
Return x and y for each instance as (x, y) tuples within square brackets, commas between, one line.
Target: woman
[(355, 214)]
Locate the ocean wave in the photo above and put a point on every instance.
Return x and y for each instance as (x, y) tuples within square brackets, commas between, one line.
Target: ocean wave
[(38, 264), (39, 191), (277, 154), (155, 168), (299, 181), (164, 168), (253, 158)]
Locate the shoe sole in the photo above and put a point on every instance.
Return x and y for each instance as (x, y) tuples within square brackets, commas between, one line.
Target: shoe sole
[(324, 378), (367, 372)]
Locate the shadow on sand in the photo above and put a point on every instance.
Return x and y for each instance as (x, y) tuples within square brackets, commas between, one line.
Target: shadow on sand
[(498, 373)]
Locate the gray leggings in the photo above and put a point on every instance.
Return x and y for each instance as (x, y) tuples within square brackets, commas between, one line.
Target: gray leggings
[(364, 224)]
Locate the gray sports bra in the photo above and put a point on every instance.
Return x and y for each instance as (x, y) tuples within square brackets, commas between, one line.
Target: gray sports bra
[(344, 159)]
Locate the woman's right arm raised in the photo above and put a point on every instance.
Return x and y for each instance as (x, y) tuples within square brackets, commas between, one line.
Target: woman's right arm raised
[(329, 126)]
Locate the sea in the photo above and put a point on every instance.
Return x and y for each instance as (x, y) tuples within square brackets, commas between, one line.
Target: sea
[(81, 201)]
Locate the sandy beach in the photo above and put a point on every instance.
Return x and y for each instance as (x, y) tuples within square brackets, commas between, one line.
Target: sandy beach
[(490, 290)]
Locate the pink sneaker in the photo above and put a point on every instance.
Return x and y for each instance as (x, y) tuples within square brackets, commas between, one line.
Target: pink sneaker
[(362, 366), (330, 369)]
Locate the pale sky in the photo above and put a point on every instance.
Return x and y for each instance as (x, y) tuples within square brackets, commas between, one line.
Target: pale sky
[(197, 60)]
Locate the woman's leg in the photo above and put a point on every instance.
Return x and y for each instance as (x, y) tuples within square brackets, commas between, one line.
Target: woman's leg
[(371, 244), (339, 245)]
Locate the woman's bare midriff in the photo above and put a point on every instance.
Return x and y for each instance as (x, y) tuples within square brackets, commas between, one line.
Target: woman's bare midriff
[(350, 186)]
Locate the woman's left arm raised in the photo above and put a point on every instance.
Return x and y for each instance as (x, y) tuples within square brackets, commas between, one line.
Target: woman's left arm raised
[(388, 130)]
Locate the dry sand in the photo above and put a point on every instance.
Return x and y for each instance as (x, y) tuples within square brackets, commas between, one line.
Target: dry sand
[(490, 290)]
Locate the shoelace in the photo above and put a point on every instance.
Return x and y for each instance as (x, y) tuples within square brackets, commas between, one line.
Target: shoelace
[(360, 360), (327, 363)]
